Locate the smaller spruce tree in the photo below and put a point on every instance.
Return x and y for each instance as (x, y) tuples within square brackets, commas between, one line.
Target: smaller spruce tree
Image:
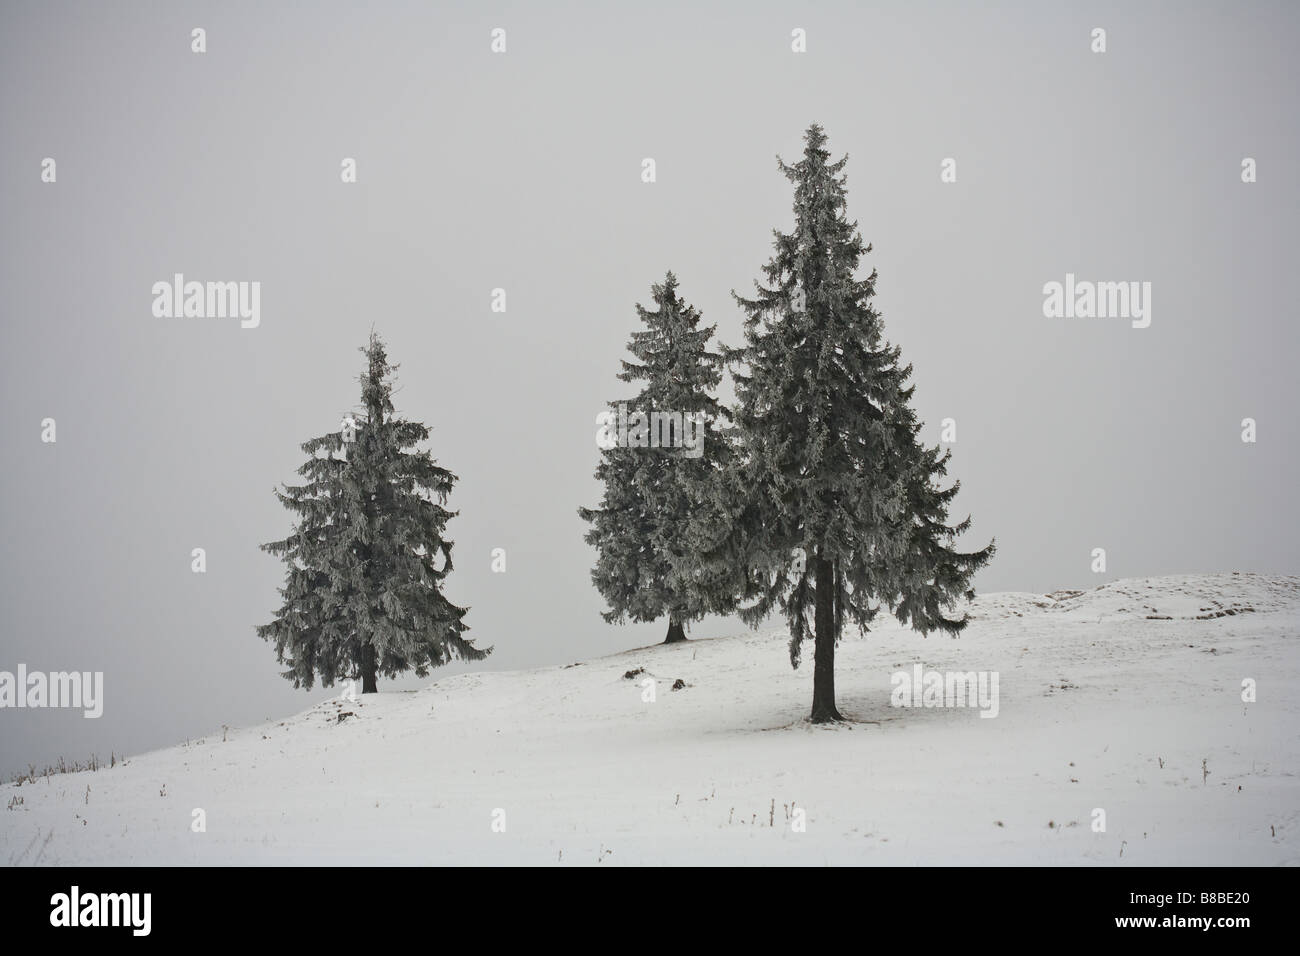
[(369, 554), (662, 505)]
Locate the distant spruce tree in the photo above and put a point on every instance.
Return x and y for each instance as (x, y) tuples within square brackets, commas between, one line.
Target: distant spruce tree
[(367, 559), (833, 468), (662, 504)]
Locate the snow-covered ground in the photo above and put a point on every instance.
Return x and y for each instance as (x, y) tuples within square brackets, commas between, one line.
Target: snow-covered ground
[(1120, 698)]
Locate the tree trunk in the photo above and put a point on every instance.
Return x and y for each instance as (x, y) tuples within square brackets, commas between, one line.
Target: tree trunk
[(823, 708), (368, 683), (675, 632)]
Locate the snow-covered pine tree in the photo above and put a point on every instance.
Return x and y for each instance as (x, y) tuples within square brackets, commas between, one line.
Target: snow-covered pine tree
[(662, 504), (833, 468), (367, 559)]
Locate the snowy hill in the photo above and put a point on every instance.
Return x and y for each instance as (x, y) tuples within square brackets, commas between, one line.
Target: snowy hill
[(1110, 698)]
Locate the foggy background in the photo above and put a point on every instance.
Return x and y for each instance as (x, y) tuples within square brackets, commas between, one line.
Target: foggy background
[(522, 171)]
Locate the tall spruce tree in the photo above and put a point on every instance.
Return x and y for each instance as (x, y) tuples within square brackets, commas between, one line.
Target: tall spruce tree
[(368, 556), (662, 500), (833, 467)]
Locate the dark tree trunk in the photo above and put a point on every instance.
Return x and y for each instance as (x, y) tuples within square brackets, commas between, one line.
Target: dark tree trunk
[(675, 632), (368, 683), (823, 708)]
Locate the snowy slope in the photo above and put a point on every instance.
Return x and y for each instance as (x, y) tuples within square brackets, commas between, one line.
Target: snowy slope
[(1109, 698)]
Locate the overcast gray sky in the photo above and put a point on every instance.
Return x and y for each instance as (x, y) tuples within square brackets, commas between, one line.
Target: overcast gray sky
[(522, 170)]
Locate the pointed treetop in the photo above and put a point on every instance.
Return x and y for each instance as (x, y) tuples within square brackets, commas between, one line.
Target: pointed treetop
[(815, 137), (815, 166), (376, 389), (666, 291)]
